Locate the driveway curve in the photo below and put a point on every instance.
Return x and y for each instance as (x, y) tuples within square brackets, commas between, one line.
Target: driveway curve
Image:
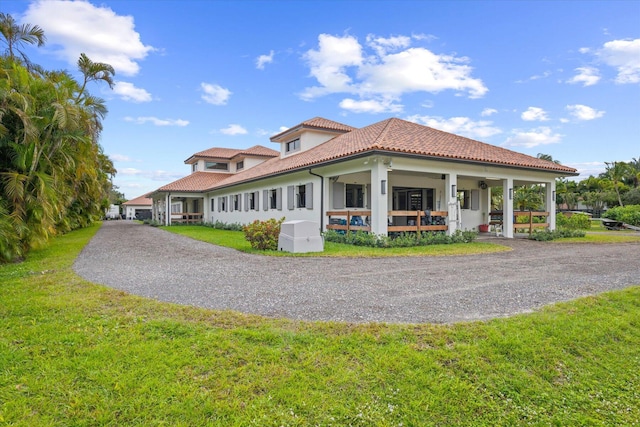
[(150, 262)]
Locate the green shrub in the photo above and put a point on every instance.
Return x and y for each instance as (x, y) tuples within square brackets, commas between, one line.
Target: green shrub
[(546, 235), (627, 214), (577, 221), (402, 240), (219, 225), (263, 235)]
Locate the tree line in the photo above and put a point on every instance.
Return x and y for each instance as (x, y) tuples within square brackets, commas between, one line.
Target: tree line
[(54, 176), (618, 185)]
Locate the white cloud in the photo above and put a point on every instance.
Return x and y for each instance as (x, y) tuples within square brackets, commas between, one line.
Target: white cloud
[(264, 59), (129, 92), (154, 175), (588, 76), (534, 114), (383, 45), (583, 112), (234, 129), (459, 125), (371, 106), (156, 121), (488, 112), (533, 138), (328, 64), (119, 158), (587, 169), (215, 94), (544, 75), (625, 56), (74, 27), (391, 69)]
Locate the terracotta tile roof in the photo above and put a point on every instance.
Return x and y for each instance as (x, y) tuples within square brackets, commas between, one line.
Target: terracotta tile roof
[(316, 123), (397, 136), (140, 201), (259, 150), (196, 182), (230, 153)]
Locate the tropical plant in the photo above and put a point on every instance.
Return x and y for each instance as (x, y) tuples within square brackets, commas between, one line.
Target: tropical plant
[(54, 176), (528, 197), (617, 172), (15, 35)]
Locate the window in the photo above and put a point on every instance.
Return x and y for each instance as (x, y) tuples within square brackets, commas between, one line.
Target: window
[(212, 204), (272, 199), (302, 196), (236, 202), (194, 167), (216, 166), (222, 204), (240, 165), (252, 201), (464, 197), (176, 207), (292, 145), (354, 195)]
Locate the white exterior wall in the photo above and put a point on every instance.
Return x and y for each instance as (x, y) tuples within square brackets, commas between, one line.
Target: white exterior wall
[(244, 216)]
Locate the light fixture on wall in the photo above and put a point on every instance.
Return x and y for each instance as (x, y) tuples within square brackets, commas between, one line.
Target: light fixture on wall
[(453, 190), (383, 186), (511, 194)]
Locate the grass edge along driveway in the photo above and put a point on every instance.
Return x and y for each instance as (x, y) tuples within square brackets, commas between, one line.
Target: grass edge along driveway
[(75, 353)]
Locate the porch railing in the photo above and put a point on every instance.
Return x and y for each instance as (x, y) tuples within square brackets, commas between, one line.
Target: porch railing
[(354, 221), (527, 223), (186, 217)]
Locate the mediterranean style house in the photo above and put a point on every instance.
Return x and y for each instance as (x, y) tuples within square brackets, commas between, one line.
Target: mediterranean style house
[(391, 176)]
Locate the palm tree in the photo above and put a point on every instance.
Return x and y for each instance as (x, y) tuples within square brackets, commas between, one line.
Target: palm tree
[(16, 35), (617, 172), (93, 71), (547, 157)]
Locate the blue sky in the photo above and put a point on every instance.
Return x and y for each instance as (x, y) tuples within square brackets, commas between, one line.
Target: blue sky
[(553, 77)]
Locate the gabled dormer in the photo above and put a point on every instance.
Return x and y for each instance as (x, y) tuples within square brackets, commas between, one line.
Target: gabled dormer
[(229, 160), (308, 134)]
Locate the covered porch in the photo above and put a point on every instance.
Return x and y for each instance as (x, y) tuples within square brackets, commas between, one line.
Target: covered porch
[(390, 195), (169, 209)]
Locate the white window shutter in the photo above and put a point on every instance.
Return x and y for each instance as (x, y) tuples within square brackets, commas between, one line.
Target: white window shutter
[(265, 200)]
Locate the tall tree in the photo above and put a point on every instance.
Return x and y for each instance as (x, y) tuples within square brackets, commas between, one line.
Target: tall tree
[(617, 172), (15, 35)]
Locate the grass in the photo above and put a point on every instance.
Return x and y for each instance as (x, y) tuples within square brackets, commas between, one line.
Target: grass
[(74, 353), (236, 240), (600, 234)]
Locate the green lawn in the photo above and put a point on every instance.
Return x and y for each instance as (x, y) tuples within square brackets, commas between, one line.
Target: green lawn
[(236, 240), (76, 354)]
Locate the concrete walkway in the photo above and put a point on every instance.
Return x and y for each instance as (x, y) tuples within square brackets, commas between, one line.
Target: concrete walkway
[(154, 263)]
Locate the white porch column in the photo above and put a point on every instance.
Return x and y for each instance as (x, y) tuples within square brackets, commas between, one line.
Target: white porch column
[(167, 208), (507, 207), (380, 191), (550, 203), (451, 202)]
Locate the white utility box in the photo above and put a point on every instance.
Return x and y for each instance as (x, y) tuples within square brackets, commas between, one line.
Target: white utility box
[(300, 236)]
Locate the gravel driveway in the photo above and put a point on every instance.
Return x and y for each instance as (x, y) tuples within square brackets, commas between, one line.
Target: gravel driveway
[(147, 261)]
